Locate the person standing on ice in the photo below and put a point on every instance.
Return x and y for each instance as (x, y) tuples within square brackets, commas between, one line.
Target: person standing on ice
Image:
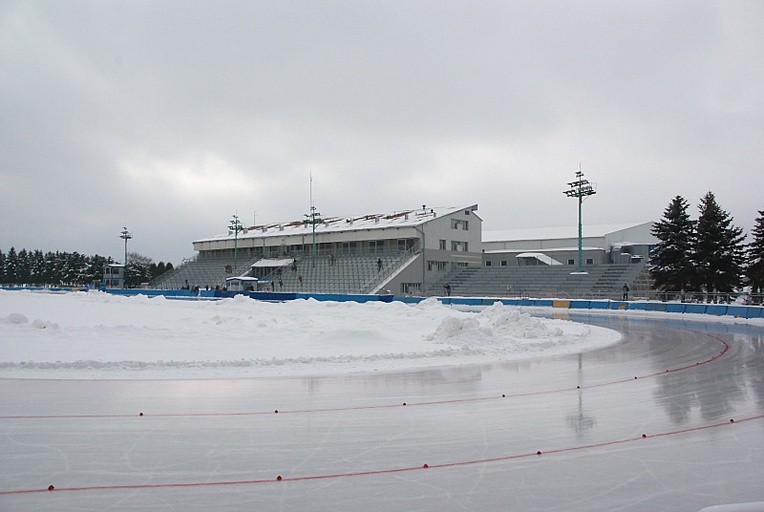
[(625, 291), (448, 289)]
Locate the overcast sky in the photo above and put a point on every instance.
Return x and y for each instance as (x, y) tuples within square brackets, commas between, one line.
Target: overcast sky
[(169, 117)]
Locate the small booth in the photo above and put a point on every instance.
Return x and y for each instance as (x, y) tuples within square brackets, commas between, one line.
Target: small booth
[(241, 284), (114, 275)]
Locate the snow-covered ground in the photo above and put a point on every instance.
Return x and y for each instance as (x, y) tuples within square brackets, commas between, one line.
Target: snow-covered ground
[(100, 336)]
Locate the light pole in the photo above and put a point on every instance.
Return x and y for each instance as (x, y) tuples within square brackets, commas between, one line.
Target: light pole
[(313, 218), (580, 188), (235, 227), (125, 235)]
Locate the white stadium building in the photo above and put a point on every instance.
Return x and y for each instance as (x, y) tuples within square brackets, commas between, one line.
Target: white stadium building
[(418, 252)]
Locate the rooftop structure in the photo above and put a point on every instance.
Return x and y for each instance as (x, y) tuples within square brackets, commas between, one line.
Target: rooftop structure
[(601, 243)]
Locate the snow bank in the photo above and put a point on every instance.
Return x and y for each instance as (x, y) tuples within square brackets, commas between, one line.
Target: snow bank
[(97, 335)]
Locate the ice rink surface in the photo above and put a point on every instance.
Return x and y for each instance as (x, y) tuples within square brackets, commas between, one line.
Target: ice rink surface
[(671, 418)]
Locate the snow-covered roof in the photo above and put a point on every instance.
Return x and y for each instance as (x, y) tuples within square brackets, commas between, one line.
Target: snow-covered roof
[(403, 218), (268, 263), (546, 249), (555, 233)]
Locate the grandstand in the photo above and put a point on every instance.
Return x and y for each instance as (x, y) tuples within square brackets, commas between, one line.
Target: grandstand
[(402, 252), (602, 281), (418, 252)]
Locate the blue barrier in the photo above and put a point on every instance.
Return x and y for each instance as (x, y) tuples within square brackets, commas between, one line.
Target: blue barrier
[(738, 311), (695, 308), (510, 302), (150, 292), (676, 307), (716, 309)]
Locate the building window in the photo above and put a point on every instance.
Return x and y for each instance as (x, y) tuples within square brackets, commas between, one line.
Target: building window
[(571, 262), (487, 263), (404, 244), (409, 288), (442, 245), (503, 263), (459, 246), (460, 224), (590, 261), (437, 265)]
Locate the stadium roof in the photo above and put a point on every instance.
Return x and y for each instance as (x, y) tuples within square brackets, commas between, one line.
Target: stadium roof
[(556, 233), (402, 218)]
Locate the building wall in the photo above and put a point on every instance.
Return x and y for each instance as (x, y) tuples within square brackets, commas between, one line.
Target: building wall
[(543, 244), (461, 230), (592, 256)]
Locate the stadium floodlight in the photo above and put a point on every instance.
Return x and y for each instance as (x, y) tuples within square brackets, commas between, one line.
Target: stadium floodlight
[(313, 218), (125, 235), (234, 227), (580, 188)]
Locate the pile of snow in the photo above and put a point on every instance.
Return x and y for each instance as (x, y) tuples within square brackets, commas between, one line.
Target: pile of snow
[(97, 335)]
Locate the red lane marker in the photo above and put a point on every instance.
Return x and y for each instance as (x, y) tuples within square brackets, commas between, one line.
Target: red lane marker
[(383, 406), (385, 471)]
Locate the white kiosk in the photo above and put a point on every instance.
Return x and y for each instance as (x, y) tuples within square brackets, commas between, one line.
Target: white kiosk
[(241, 284)]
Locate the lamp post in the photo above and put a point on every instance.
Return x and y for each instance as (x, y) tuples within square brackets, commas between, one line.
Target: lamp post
[(125, 235), (235, 227), (313, 218), (580, 188)]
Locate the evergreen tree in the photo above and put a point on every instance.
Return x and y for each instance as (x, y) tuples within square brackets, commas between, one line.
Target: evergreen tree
[(53, 265), (755, 269), (69, 269), (672, 267), (37, 268), (22, 268), (3, 280), (719, 248), (11, 265)]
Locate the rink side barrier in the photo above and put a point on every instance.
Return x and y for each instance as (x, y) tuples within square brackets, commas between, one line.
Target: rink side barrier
[(738, 311), (262, 295), (734, 310)]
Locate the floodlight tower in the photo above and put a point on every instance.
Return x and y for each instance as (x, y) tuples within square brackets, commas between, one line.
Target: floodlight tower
[(125, 235), (313, 218), (580, 188), (234, 227)]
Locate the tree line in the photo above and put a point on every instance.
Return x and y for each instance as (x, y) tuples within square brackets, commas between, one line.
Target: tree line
[(35, 268), (708, 254)]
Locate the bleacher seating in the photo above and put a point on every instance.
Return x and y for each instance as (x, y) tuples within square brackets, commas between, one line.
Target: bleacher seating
[(209, 272), (351, 273), (598, 282), (360, 273)]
